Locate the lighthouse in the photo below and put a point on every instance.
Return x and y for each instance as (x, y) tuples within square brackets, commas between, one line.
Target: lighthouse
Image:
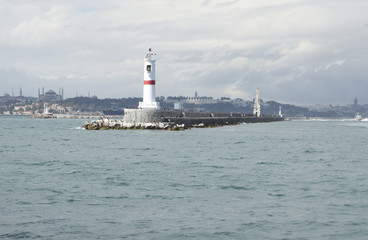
[(257, 104), (149, 93)]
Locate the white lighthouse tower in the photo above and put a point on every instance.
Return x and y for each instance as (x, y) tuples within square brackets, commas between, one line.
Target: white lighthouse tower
[(45, 109), (149, 93), (257, 104)]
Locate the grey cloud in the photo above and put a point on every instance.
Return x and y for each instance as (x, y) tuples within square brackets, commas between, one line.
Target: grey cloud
[(295, 51)]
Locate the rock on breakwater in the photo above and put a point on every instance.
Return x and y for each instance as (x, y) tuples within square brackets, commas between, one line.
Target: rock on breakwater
[(105, 124)]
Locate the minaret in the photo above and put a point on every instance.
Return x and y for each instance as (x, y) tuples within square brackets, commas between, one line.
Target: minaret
[(149, 94), (20, 92), (257, 104)]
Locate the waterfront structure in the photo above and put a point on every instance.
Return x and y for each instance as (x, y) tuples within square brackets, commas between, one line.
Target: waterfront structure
[(150, 116), (149, 87), (45, 114)]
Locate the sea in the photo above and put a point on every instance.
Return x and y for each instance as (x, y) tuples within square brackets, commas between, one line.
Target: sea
[(279, 180)]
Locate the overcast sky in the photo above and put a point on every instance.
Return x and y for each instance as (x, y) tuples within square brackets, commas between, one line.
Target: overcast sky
[(295, 51)]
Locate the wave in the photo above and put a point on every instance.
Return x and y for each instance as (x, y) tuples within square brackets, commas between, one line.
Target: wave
[(78, 128), (20, 235), (235, 187)]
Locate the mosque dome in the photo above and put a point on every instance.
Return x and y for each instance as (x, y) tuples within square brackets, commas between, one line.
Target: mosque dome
[(50, 96), (50, 92)]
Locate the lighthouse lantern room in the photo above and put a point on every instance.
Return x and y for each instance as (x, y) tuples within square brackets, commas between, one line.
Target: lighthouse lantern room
[(149, 94)]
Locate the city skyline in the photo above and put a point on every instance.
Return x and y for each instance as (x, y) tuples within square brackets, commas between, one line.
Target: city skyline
[(60, 95), (295, 51)]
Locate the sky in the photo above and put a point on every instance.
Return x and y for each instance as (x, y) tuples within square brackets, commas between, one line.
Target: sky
[(295, 51)]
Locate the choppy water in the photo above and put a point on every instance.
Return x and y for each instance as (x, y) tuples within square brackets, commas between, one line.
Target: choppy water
[(285, 180)]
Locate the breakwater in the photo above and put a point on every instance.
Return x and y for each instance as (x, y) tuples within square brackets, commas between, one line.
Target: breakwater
[(43, 116), (175, 120)]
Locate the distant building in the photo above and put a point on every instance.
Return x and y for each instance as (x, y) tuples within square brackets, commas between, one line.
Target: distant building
[(7, 99), (178, 105), (200, 100), (191, 100), (57, 108), (51, 95), (225, 99), (355, 102)]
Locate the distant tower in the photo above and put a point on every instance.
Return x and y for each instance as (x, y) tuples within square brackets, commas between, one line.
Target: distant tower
[(62, 93), (20, 92), (355, 102), (43, 91), (196, 94), (257, 104), (39, 94), (149, 94), (280, 114), (45, 109)]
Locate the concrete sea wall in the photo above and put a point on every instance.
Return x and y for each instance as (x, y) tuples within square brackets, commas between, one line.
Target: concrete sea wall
[(169, 119), (142, 116)]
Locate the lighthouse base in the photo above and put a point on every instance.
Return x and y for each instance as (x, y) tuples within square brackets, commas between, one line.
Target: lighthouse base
[(150, 105)]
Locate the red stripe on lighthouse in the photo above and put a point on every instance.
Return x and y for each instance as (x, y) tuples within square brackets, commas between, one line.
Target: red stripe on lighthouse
[(149, 82)]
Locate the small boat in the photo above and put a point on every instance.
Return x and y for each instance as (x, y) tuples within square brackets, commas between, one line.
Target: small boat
[(358, 117)]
